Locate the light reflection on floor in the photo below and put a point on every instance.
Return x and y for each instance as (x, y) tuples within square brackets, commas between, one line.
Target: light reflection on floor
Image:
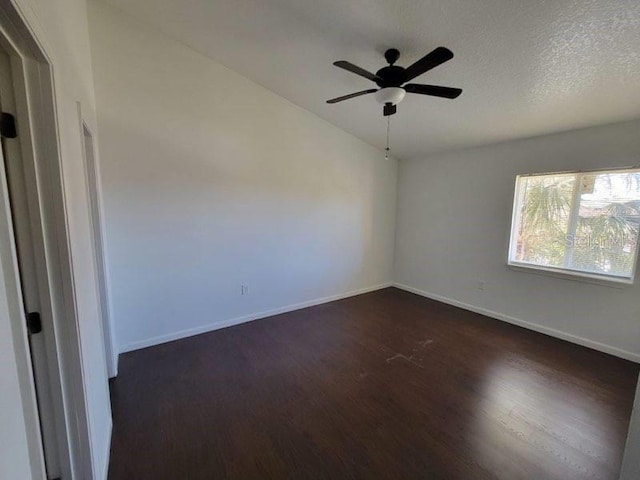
[(526, 413)]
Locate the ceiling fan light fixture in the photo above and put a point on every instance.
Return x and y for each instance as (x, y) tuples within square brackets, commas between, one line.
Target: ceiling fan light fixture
[(392, 95)]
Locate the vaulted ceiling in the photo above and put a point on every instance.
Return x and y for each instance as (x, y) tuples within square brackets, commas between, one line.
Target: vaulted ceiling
[(527, 67)]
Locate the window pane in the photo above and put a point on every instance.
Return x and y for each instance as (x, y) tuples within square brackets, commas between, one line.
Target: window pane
[(607, 225), (544, 212)]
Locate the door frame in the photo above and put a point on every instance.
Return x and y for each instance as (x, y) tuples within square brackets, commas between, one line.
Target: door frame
[(37, 125), (22, 201)]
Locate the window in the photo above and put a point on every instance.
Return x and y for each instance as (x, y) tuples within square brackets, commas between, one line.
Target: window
[(583, 224)]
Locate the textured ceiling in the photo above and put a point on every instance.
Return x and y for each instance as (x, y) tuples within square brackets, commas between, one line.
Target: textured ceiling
[(527, 67)]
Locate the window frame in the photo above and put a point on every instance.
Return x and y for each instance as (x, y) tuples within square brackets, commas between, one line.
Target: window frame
[(565, 272)]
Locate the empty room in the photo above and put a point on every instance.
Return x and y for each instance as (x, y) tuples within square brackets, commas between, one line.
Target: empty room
[(295, 239)]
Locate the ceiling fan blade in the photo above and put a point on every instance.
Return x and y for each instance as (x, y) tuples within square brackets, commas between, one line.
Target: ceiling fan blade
[(433, 90), (429, 61), (351, 95), (357, 70)]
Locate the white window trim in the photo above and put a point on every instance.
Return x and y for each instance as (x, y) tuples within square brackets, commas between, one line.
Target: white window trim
[(565, 272), (573, 275)]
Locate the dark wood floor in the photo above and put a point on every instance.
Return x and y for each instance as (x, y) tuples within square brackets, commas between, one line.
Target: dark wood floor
[(386, 385)]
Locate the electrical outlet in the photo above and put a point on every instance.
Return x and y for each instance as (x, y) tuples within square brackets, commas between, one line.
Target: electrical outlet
[(244, 290)]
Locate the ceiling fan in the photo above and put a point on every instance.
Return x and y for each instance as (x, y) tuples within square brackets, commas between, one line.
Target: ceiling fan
[(393, 79)]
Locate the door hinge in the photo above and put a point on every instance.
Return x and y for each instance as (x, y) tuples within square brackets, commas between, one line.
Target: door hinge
[(8, 125), (34, 323)]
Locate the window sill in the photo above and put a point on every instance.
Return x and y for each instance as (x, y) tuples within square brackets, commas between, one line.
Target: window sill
[(611, 282)]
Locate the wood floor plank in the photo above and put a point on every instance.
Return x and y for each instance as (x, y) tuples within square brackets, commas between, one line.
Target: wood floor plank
[(383, 385)]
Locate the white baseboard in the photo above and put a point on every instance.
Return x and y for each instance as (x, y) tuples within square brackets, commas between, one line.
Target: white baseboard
[(246, 318), (116, 361), (113, 366), (585, 342)]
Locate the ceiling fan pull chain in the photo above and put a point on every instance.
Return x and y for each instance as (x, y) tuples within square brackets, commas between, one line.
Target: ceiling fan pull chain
[(386, 155)]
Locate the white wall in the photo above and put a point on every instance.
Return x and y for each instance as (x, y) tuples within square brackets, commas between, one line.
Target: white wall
[(61, 27), (211, 181), (454, 216)]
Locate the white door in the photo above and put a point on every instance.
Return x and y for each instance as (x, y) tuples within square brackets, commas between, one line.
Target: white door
[(40, 327), (95, 211)]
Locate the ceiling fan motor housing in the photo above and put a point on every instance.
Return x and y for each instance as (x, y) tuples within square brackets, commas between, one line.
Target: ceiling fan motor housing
[(391, 76)]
